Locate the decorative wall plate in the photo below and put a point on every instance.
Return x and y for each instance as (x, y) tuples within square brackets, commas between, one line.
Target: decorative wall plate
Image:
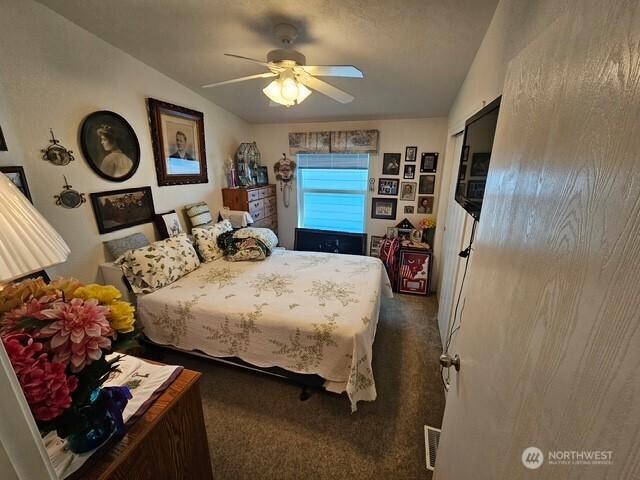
[(68, 197), (56, 153)]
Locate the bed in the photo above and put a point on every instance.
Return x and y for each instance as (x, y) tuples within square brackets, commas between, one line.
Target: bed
[(306, 312)]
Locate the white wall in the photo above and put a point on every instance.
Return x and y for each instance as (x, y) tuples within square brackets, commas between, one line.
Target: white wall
[(53, 74), (428, 134)]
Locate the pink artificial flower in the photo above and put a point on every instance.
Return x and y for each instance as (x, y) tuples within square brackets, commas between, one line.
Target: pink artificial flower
[(79, 332), (45, 384), (31, 308)]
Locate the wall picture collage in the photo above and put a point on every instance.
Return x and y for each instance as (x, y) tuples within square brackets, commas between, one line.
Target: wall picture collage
[(111, 149), (417, 186)]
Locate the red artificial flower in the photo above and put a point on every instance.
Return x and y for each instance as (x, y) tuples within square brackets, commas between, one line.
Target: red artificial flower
[(79, 332), (45, 384)]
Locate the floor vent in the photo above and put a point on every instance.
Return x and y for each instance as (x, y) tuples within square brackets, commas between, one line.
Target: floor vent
[(431, 439)]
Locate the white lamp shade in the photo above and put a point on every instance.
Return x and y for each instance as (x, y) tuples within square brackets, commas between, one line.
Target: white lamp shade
[(28, 242)]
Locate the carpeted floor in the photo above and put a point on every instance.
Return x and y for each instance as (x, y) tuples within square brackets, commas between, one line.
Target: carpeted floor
[(259, 429)]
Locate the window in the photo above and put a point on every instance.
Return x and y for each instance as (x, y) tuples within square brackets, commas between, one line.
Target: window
[(332, 191)]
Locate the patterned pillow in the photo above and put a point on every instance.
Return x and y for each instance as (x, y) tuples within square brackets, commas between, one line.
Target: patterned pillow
[(267, 236), (198, 214), (207, 240), (118, 246), (159, 264)]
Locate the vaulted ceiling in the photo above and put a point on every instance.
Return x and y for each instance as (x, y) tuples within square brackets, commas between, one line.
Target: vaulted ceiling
[(414, 53)]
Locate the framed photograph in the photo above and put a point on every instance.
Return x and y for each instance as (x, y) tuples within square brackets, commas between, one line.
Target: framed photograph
[(19, 179), (408, 191), (392, 232), (416, 235), (465, 153), (475, 189), (409, 171), (414, 270), (3, 143), (391, 164), (110, 145), (117, 209), (384, 208), (425, 204), (409, 209), (427, 184), (262, 175), (410, 154), (388, 186), (429, 162), (480, 164), (168, 224), (374, 246), (462, 174), (177, 134)]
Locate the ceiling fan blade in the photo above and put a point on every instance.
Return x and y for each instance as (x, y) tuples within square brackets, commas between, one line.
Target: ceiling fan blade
[(241, 79), (259, 62), (333, 71), (326, 89)]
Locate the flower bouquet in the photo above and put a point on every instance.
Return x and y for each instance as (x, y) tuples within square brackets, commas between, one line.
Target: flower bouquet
[(57, 336), (427, 225)]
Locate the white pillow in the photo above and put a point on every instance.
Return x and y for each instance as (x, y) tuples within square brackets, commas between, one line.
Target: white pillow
[(159, 264), (207, 240), (264, 234)]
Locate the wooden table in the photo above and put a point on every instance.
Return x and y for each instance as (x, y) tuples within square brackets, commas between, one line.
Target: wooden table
[(168, 442)]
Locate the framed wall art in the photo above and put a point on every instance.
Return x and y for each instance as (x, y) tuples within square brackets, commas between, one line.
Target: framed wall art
[(177, 134), (408, 191), (409, 209), (425, 204), (117, 209), (388, 186), (110, 145), (168, 224), (3, 143), (19, 179), (414, 271), (410, 154), (409, 172), (391, 164), (427, 184), (429, 162), (384, 208), (475, 188)]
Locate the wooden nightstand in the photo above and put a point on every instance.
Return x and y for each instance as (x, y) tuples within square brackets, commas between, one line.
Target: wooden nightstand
[(168, 442)]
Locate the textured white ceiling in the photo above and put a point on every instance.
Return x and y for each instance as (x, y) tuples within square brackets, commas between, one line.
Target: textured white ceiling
[(414, 53)]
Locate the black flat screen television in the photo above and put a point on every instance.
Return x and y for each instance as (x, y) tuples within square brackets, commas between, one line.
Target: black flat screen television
[(479, 131)]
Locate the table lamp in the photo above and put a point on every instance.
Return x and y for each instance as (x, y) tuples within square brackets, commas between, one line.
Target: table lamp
[(28, 243)]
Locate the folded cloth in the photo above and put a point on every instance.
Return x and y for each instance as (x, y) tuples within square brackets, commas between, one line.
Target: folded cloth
[(238, 218), (241, 249)]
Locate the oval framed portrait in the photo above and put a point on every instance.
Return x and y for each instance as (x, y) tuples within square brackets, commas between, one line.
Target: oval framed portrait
[(110, 145)]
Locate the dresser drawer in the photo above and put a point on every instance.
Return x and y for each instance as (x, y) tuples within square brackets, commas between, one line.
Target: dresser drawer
[(269, 210), (253, 195), (266, 192), (256, 205), (257, 215), (270, 202), (267, 222)]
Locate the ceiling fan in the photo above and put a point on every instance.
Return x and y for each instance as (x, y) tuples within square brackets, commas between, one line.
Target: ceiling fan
[(293, 76)]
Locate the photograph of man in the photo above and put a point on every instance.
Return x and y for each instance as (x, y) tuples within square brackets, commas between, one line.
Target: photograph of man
[(180, 147)]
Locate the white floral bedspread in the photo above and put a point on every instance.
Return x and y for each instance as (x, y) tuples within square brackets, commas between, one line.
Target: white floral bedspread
[(306, 312)]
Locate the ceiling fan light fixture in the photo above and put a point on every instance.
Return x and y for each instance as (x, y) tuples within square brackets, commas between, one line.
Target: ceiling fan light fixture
[(287, 92)]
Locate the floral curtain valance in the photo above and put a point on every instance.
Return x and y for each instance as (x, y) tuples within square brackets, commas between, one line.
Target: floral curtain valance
[(343, 141)]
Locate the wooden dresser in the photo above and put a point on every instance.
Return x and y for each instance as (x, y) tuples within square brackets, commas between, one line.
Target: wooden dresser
[(168, 442), (260, 202)]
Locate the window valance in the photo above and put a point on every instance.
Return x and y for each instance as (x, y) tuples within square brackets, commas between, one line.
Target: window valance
[(342, 141)]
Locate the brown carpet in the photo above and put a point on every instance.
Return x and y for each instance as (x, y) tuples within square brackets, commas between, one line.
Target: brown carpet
[(259, 429)]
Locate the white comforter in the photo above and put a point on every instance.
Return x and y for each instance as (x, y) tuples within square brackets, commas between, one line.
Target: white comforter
[(303, 311)]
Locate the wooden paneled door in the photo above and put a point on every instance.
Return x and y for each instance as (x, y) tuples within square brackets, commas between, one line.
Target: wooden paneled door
[(550, 338)]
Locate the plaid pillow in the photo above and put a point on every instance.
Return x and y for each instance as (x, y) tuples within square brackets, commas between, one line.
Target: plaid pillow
[(198, 214)]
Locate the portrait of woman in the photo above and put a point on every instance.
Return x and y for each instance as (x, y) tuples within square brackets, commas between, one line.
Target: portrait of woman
[(110, 146)]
